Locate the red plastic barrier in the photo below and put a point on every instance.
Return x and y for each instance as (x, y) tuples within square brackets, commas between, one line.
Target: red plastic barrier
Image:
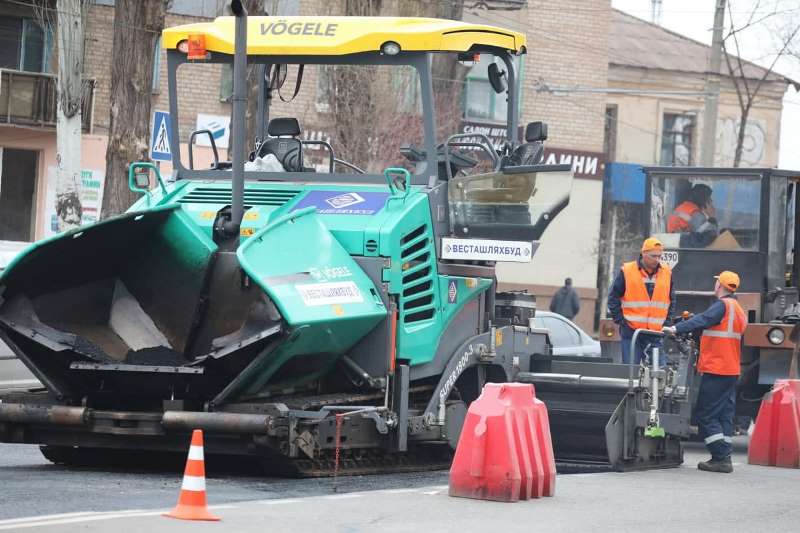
[(505, 452), (776, 437)]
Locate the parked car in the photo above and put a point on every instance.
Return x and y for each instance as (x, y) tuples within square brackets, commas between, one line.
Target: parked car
[(13, 374), (567, 338)]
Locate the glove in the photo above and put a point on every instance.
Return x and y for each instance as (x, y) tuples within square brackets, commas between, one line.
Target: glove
[(669, 330)]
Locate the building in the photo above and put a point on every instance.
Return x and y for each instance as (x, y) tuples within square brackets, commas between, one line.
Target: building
[(567, 46), (655, 102)]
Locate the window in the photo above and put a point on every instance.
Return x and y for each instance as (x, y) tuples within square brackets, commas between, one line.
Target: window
[(154, 87), (323, 90), (25, 45), (226, 83), (730, 204), (561, 333), (480, 100), (405, 83), (676, 140)]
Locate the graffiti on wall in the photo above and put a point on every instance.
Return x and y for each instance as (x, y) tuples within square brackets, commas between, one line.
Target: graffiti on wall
[(753, 148)]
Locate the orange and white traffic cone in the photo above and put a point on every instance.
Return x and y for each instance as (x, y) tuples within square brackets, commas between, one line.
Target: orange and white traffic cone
[(192, 500)]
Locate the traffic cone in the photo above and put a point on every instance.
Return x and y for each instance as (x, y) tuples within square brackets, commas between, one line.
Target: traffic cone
[(192, 500)]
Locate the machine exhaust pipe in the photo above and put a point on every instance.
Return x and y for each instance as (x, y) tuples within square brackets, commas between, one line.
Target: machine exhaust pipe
[(239, 108)]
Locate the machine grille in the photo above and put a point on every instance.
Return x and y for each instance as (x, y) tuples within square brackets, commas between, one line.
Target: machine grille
[(417, 299), (252, 197)]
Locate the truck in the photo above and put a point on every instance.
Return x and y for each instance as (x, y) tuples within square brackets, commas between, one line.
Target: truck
[(318, 318)]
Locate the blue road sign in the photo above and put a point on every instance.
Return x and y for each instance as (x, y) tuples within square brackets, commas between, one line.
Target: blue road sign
[(160, 149)]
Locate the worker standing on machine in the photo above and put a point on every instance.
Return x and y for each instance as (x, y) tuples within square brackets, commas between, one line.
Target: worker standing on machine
[(720, 363), (641, 297), (695, 219)]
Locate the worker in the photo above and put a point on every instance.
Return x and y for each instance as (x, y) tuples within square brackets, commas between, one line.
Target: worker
[(641, 297), (695, 219), (720, 354), (565, 301)]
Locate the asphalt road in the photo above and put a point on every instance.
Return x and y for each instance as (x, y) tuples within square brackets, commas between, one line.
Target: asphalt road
[(31, 486), (40, 497)]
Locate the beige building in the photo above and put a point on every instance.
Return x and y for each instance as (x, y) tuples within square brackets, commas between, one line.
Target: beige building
[(656, 81)]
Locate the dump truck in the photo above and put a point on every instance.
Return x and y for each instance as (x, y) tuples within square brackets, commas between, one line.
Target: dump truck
[(317, 317), (754, 235)]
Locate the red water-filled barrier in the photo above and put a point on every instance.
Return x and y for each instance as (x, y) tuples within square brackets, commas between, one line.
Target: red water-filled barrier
[(776, 437), (505, 452)]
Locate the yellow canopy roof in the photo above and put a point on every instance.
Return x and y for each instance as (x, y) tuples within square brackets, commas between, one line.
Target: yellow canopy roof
[(334, 36)]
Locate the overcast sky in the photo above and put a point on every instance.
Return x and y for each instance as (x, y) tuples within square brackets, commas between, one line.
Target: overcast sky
[(695, 18)]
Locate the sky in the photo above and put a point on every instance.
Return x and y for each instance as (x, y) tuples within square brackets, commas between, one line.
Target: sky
[(695, 19)]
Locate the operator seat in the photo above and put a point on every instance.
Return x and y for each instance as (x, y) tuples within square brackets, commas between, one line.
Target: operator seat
[(284, 144), (531, 152)]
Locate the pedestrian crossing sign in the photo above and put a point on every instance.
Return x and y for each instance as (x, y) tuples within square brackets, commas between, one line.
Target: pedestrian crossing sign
[(160, 140)]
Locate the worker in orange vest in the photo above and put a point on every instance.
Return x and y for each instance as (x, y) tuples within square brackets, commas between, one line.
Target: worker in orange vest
[(720, 363), (695, 219), (641, 298)]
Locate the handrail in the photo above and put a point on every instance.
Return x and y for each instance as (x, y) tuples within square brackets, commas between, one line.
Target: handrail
[(213, 147), (327, 145), (488, 148), (633, 352)]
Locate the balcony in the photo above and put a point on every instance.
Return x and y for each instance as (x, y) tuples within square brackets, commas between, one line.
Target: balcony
[(29, 99)]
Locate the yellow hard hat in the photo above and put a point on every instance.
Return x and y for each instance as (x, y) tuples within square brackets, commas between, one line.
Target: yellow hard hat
[(728, 279), (650, 244)]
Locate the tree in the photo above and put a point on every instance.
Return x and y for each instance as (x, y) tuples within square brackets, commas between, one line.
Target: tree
[(747, 87), (137, 24)]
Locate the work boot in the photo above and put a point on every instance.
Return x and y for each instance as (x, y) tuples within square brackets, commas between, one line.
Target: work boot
[(723, 466)]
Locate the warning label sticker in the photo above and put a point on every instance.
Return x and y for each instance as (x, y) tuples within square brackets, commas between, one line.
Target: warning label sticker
[(343, 292)]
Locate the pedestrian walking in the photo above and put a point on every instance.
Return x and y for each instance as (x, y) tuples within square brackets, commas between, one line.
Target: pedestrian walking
[(565, 301)]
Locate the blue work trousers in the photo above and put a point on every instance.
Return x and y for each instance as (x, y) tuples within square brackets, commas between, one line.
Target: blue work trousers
[(641, 343), (715, 410)]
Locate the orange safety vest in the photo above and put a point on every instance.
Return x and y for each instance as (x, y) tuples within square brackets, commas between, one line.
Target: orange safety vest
[(678, 221), (638, 308), (721, 345)]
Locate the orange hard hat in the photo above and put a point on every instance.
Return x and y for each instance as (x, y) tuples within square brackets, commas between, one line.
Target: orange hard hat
[(728, 279)]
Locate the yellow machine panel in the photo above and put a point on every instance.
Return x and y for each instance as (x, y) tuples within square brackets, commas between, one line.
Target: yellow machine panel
[(336, 36)]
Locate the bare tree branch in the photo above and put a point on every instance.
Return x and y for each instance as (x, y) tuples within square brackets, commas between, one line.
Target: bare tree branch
[(746, 87)]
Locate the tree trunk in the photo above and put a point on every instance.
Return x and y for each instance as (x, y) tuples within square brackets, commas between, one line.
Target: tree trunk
[(737, 157), (137, 26)]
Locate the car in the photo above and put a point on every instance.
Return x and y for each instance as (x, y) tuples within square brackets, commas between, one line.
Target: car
[(13, 374), (566, 337)]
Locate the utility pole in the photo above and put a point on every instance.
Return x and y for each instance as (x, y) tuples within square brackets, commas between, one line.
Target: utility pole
[(712, 88), (68, 113)]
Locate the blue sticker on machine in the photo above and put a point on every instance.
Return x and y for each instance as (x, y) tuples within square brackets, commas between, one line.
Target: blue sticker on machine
[(344, 203), (452, 292)]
